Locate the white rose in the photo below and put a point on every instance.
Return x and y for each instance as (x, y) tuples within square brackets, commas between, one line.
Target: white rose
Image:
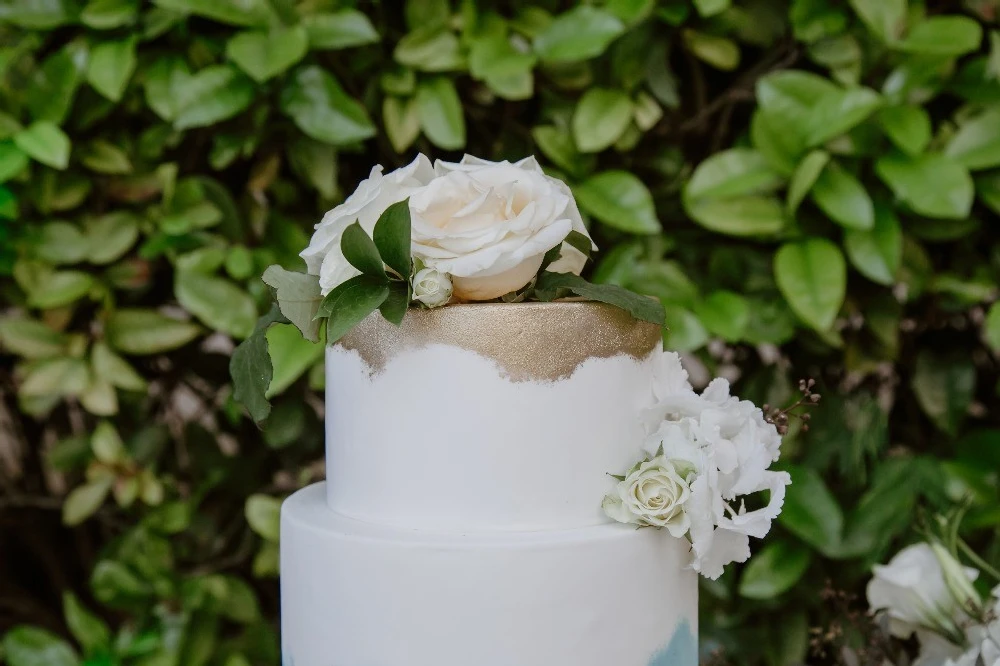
[(653, 494), (431, 287), (912, 590), (489, 224), (374, 194)]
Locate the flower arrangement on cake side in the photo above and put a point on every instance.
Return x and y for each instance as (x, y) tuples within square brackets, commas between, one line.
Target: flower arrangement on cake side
[(706, 454), (429, 235)]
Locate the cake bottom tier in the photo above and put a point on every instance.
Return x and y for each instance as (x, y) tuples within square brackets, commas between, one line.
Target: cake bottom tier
[(358, 594)]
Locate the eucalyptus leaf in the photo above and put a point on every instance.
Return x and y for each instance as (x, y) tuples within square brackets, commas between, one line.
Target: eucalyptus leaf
[(640, 307), (298, 297)]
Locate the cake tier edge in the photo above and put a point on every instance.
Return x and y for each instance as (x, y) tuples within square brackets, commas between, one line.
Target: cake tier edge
[(356, 593)]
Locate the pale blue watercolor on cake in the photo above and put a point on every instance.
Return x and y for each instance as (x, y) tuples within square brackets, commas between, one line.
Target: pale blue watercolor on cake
[(682, 650)]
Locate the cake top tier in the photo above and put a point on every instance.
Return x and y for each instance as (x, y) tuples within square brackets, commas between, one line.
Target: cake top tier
[(528, 341), (486, 417)]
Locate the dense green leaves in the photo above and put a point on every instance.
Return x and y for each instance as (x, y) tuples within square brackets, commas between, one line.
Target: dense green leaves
[(339, 30), (29, 646), (773, 570), (976, 145), (811, 512), (265, 54), (46, 143), (842, 196)]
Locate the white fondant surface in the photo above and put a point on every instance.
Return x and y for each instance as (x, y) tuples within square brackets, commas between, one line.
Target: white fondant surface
[(357, 594), (442, 439)]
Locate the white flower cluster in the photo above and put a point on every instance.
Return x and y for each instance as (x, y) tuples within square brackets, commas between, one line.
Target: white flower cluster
[(481, 227), (926, 592), (720, 448)]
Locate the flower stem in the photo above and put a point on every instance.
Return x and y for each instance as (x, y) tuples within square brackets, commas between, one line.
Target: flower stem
[(978, 561)]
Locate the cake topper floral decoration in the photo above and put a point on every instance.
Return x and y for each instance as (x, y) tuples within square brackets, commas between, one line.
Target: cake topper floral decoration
[(425, 236)]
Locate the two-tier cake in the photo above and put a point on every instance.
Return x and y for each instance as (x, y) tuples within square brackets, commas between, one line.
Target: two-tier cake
[(517, 473), (460, 523)]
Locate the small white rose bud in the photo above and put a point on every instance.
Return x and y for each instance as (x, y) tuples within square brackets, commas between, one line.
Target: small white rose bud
[(431, 287)]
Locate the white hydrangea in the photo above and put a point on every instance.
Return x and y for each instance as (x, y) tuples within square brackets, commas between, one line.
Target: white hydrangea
[(731, 447)]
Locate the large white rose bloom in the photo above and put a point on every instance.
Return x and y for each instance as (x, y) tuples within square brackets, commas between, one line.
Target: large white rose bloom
[(731, 447), (365, 205), (912, 590), (489, 224), (486, 224)]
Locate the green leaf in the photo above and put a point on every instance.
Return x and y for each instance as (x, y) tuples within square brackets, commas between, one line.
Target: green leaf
[(247, 13), (110, 236), (321, 108), (251, 369), (640, 307), (350, 303), (944, 386), (114, 583), (103, 157), (708, 8), (263, 512), (106, 444), (216, 302), (600, 118), (843, 198), (991, 328), (885, 18), (85, 500), (61, 243), (724, 313), (298, 296), (31, 339), (60, 288), (115, 370), (774, 570), (619, 200), (401, 120), (719, 52), (739, 216), (432, 47), (812, 277), (732, 173), (13, 161), (44, 142), (37, 14), (811, 512), (578, 34), (212, 95), (908, 127), (90, 631), (395, 306), (943, 36), (55, 376), (440, 112), (556, 143), (804, 178), (110, 67), (141, 332), (109, 14), (836, 112), (932, 185), (291, 356), (877, 252), (506, 70), (392, 238), (339, 30), (976, 144), (265, 54), (53, 86), (360, 251), (31, 646)]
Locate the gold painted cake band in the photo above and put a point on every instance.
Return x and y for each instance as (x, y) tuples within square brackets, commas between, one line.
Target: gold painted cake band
[(530, 341)]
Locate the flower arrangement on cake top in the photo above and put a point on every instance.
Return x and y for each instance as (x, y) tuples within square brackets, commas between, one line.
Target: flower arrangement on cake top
[(426, 235)]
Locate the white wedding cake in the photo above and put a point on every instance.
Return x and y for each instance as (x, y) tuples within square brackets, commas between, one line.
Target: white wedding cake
[(498, 430), (460, 523)]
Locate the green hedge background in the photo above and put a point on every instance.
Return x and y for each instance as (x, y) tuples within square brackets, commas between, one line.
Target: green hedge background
[(811, 187)]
